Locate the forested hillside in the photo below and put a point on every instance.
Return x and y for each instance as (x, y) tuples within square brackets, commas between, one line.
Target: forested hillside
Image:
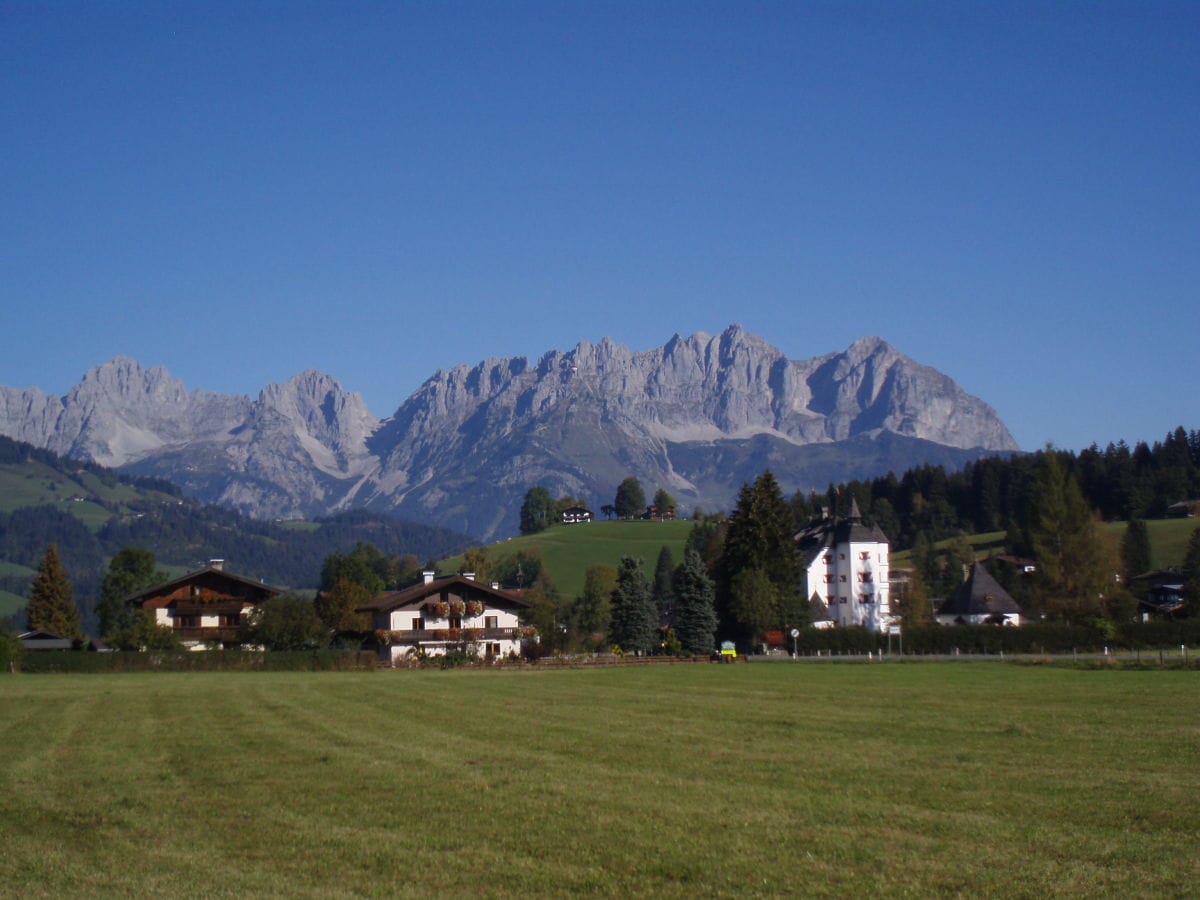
[(999, 493), (90, 513)]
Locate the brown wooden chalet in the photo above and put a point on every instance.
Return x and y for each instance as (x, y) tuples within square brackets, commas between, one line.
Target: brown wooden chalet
[(439, 613), (205, 606)]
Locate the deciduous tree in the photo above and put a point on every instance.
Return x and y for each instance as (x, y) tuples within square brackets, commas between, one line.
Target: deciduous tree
[(537, 511), (631, 499), (285, 622), (131, 570), (592, 612), (336, 607)]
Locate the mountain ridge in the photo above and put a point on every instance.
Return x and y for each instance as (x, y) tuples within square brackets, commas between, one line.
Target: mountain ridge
[(461, 450)]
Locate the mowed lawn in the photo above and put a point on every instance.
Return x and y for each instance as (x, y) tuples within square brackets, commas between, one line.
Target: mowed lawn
[(805, 778)]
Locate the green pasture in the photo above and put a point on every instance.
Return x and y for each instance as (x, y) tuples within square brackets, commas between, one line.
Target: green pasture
[(803, 778), (10, 603), (568, 550)]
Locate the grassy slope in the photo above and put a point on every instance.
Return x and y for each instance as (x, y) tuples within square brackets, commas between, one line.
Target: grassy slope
[(977, 779), (568, 550), (35, 484)]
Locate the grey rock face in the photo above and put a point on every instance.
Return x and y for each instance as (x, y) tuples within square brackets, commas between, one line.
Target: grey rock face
[(696, 416)]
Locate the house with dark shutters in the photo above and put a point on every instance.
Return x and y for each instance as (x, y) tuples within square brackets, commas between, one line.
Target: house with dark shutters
[(438, 615)]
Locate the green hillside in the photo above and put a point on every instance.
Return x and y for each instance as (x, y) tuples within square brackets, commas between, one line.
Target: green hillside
[(568, 550)]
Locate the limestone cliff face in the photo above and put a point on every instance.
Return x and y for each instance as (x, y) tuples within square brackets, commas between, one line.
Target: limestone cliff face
[(698, 416)]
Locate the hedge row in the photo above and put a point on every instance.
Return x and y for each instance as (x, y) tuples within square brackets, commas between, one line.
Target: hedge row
[(1036, 638), (67, 661)]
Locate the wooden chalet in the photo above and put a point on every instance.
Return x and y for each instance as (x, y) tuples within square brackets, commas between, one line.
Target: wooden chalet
[(205, 607), (441, 614)]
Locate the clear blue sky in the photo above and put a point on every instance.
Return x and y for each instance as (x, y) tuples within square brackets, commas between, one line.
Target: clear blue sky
[(1009, 192)]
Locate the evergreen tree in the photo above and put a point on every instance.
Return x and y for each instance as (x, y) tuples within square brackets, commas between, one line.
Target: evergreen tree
[(759, 538), (663, 591), (695, 610), (1191, 569), (630, 501), (1073, 569), (634, 625), (1135, 550), (133, 569), (51, 606)]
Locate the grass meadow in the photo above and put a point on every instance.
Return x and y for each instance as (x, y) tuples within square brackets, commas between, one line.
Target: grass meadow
[(808, 778)]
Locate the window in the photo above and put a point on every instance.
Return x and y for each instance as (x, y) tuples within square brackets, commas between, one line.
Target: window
[(828, 579), (841, 578), (418, 623), (454, 621), (230, 620), (866, 554), (864, 577), (841, 556), (187, 621), (865, 598), (490, 621), (828, 557)]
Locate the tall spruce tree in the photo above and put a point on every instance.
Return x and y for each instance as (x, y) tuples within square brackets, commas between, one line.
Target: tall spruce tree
[(1135, 550), (759, 537), (1074, 572), (695, 609), (51, 603), (634, 624), (1191, 570), (663, 590)]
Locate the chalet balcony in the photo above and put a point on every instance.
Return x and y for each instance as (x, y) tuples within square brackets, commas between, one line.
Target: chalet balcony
[(430, 635), (207, 633)]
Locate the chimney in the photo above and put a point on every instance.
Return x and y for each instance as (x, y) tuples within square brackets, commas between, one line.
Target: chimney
[(429, 575), (218, 564), (470, 576)]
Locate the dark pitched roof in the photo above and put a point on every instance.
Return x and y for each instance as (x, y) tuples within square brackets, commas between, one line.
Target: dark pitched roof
[(183, 579), (979, 595), (817, 610), (822, 533), (395, 599)]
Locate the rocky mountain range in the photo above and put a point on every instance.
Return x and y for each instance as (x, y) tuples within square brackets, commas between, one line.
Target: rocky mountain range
[(697, 416)]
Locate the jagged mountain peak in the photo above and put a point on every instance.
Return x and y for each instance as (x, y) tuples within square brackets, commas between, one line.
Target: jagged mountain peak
[(694, 415)]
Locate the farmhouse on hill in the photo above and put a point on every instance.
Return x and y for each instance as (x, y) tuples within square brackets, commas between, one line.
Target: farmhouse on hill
[(574, 515), (846, 570), (204, 608), (441, 614), (979, 600)]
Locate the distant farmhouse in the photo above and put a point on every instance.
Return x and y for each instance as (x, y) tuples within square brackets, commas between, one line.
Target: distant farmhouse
[(204, 608), (575, 515), (1184, 509), (979, 600), (441, 614), (846, 571), (1164, 597)]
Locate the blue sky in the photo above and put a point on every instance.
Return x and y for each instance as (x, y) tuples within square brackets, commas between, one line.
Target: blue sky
[(1009, 192)]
